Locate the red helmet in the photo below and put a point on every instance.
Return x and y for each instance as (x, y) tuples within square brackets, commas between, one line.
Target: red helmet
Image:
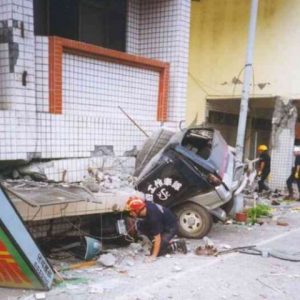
[(135, 204)]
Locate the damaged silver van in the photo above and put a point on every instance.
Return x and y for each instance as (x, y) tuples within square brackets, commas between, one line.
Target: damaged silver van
[(195, 173)]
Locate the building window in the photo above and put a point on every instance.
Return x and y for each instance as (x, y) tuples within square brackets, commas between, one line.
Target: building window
[(261, 124), (98, 22), (220, 118), (216, 117)]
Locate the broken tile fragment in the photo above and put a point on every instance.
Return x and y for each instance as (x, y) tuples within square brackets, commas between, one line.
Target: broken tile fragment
[(107, 260)]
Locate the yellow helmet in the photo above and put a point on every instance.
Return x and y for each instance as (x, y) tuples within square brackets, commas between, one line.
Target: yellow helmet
[(262, 148)]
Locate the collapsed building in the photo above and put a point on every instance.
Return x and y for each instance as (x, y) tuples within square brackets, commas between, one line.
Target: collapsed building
[(62, 80), (83, 82), (73, 74)]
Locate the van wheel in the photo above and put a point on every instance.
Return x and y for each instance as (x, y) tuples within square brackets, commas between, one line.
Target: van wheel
[(194, 220)]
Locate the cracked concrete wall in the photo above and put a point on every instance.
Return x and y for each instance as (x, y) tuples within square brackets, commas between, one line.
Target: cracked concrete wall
[(283, 137)]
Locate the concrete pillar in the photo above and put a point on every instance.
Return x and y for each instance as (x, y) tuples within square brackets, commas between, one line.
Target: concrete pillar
[(283, 137)]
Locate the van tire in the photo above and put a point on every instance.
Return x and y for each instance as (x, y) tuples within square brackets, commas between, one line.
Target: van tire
[(194, 221)]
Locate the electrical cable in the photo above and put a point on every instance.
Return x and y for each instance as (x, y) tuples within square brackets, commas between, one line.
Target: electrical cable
[(238, 78), (198, 81), (101, 237), (253, 81)]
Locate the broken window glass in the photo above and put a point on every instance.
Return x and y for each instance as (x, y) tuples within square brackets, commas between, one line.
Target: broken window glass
[(199, 141)]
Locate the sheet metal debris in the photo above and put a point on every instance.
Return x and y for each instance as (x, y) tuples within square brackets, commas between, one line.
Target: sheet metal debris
[(44, 194)]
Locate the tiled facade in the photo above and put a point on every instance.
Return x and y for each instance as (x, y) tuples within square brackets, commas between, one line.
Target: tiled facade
[(282, 158), (92, 80), (165, 26), (42, 74), (17, 84), (83, 114), (159, 29)]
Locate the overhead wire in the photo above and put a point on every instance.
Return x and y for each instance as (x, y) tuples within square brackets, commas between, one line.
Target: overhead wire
[(201, 83), (238, 78)]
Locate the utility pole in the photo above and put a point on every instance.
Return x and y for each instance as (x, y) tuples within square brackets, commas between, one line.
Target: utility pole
[(246, 83)]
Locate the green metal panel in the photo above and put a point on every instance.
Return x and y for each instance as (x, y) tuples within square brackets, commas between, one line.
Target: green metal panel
[(14, 271), (22, 265)]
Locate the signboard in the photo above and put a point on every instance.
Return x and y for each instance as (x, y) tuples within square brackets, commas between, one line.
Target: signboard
[(22, 265)]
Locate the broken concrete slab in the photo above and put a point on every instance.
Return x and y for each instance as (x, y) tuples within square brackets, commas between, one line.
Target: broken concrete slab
[(177, 268), (43, 194), (91, 184), (107, 260), (40, 296), (35, 171)]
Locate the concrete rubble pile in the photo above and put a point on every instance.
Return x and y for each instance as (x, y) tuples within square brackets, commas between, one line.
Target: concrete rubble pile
[(102, 179), (98, 181), (124, 258)]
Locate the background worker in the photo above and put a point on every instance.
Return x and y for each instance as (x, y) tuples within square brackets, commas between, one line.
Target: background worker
[(263, 169), (158, 223), (295, 175)]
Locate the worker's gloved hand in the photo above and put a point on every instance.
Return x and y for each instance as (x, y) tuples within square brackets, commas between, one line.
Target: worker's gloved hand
[(259, 174), (150, 259), (296, 175)]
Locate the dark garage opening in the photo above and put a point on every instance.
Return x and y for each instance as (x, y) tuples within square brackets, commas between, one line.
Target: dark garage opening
[(223, 114)]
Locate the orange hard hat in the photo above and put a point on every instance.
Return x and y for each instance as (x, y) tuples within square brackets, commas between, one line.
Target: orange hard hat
[(135, 204)]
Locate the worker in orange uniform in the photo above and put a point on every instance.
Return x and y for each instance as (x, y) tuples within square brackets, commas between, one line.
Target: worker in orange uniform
[(158, 223), (264, 166), (295, 176)]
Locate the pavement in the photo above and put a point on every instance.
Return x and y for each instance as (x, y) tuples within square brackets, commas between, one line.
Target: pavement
[(189, 277)]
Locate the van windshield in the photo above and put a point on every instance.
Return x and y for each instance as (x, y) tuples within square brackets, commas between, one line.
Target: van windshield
[(199, 141)]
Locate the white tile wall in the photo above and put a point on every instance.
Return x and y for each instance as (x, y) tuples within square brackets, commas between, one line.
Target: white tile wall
[(6, 78), (163, 34), (5, 10), (63, 136), (17, 134), (282, 159), (17, 101), (42, 73), (92, 90), (93, 87)]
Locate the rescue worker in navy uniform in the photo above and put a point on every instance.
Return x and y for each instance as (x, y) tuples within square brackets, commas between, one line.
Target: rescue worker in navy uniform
[(295, 176), (159, 224), (263, 169)]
